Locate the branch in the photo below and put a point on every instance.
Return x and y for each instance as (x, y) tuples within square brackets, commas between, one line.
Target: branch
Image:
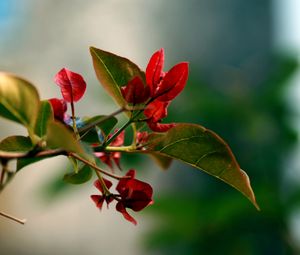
[(21, 221), (16, 155), (74, 155)]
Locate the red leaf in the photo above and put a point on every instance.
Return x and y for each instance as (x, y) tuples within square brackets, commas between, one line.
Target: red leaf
[(59, 108), (98, 185), (173, 82), (122, 183), (98, 200), (135, 92), (71, 84), (121, 208), (159, 127), (156, 110), (154, 71)]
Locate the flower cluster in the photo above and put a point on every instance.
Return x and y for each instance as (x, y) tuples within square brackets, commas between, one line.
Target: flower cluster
[(158, 92), (132, 193), (154, 95)]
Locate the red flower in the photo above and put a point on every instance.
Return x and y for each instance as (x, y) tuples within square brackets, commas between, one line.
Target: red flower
[(99, 199), (109, 157), (135, 195), (142, 137), (173, 83), (165, 86), (156, 111), (135, 92), (160, 127), (162, 87), (154, 73), (71, 84), (59, 108)]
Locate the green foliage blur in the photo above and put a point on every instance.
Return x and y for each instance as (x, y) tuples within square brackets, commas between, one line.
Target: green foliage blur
[(200, 215)]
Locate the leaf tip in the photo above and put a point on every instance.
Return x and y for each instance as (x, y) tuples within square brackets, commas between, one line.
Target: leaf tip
[(251, 195)]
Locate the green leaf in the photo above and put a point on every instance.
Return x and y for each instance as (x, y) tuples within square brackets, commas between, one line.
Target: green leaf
[(203, 149), (19, 100), (113, 72), (16, 144), (44, 116), (84, 174), (163, 161), (59, 136), (22, 162), (92, 135)]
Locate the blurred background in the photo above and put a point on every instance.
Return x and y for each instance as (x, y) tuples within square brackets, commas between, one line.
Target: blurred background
[(244, 84)]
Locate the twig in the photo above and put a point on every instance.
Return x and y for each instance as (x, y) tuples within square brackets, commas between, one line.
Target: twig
[(97, 122), (21, 221), (96, 167)]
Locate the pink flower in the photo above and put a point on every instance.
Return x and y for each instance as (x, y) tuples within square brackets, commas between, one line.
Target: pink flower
[(142, 137)]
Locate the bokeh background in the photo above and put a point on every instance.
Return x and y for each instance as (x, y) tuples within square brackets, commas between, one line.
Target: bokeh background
[(244, 84)]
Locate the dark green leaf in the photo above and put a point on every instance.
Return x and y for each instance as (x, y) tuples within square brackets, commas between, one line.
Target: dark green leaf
[(113, 72), (44, 116), (163, 161), (16, 144), (19, 100), (84, 174), (203, 149), (92, 136)]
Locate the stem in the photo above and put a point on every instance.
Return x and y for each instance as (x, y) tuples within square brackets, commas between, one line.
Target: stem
[(117, 133), (13, 218), (74, 121), (129, 148), (2, 178), (97, 122), (105, 189), (3, 172), (133, 144), (71, 154)]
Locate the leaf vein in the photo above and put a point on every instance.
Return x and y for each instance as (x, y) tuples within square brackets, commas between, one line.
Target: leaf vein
[(180, 140), (205, 155)]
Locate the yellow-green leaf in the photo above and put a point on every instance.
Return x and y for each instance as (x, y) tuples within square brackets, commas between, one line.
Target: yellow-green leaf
[(60, 137), (19, 100)]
